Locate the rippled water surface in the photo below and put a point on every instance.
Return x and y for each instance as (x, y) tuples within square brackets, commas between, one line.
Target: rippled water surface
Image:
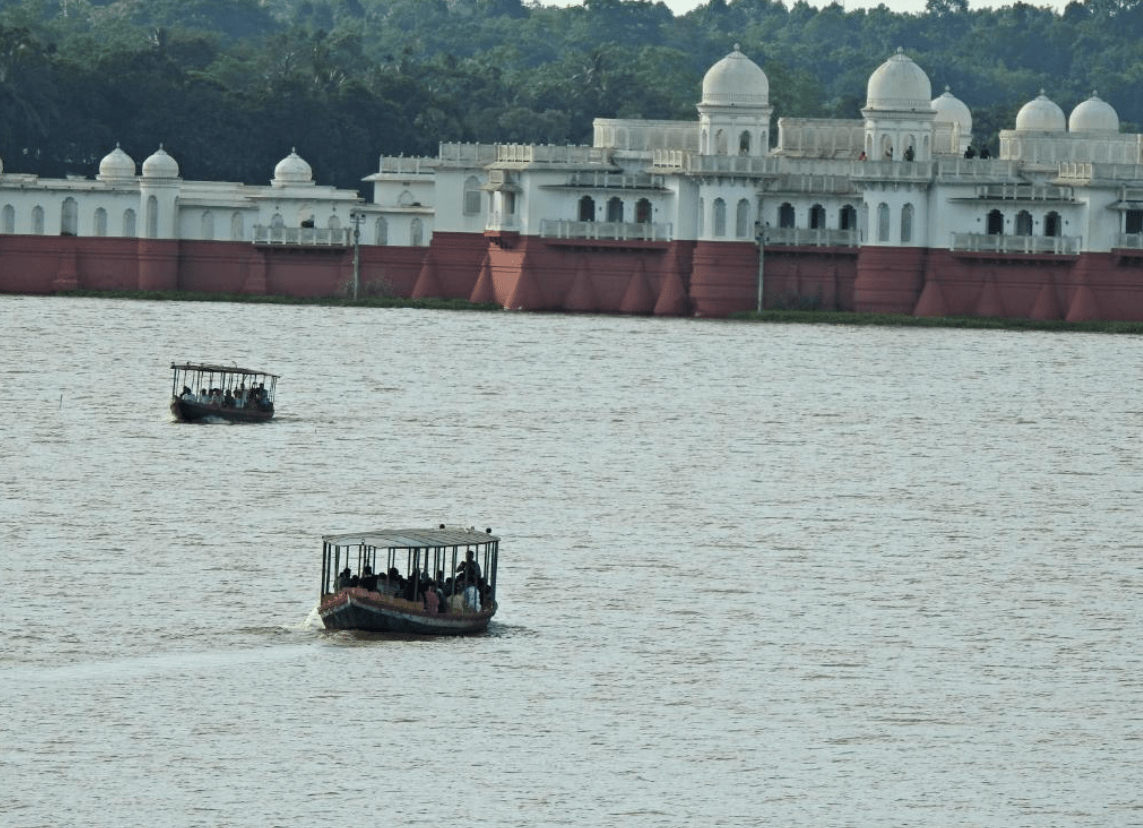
[(750, 575)]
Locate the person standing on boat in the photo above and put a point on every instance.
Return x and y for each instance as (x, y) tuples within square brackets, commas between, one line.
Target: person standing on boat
[(431, 599), (469, 569)]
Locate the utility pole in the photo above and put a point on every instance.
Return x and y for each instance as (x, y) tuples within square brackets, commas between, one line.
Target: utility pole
[(760, 240)]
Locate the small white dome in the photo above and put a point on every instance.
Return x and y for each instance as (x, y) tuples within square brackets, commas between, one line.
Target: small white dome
[(1094, 115), (736, 80), (951, 110), (899, 84), (116, 166), (292, 169), (1040, 115), (160, 165)]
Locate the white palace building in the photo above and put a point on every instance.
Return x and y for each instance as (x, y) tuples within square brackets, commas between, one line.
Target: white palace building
[(891, 212)]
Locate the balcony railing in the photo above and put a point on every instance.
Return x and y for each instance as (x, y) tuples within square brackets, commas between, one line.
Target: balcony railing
[(986, 243), (818, 237), (1130, 241), (499, 220), (310, 236), (605, 230)]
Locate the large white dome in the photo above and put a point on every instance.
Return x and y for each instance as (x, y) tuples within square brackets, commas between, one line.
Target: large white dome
[(116, 166), (951, 110), (1094, 115), (160, 165), (1040, 115), (736, 80), (292, 169), (899, 84)]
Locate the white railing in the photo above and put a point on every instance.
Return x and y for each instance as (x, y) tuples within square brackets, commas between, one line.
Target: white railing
[(818, 237), (1130, 241), (986, 243), (605, 230), (315, 236), (498, 220)]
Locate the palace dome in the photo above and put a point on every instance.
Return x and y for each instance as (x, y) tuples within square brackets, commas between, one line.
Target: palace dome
[(160, 165), (899, 84), (951, 110), (116, 166), (736, 80), (1094, 115), (1040, 115), (292, 169)]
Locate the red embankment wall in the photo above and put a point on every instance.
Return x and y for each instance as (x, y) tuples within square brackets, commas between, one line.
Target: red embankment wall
[(801, 277), (529, 273), (889, 279), (675, 279)]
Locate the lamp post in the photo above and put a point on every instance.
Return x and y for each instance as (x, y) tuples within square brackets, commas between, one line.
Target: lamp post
[(356, 217)]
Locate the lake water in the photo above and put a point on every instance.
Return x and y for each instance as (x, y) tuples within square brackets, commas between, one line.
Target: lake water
[(750, 574)]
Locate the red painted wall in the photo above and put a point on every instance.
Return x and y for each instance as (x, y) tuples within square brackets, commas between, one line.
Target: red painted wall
[(677, 278)]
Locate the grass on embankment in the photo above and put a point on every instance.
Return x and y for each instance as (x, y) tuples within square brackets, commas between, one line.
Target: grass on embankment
[(801, 317)]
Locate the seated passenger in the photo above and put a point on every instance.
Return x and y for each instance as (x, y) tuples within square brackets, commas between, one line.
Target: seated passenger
[(368, 579), (431, 600), (343, 578)]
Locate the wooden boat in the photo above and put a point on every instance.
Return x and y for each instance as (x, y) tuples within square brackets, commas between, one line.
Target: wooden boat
[(219, 392), (380, 581)]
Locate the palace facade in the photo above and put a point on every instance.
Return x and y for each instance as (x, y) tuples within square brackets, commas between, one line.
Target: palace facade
[(892, 212)]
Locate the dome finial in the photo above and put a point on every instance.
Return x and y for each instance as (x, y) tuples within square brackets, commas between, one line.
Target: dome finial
[(736, 48)]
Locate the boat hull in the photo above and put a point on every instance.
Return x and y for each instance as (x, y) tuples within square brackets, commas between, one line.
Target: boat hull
[(359, 609), (192, 412)]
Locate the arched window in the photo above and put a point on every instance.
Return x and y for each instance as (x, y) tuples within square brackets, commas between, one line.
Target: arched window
[(742, 219), (128, 223), (334, 224), (1053, 225), (995, 223), (405, 199), (277, 222), (38, 220), (704, 144), (8, 225), (587, 209), (152, 217), (472, 196), (744, 143), (207, 232), (1023, 223), (416, 233), (237, 227), (906, 224), (381, 231), (615, 209), (643, 211), (100, 222), (69, 217), (817, 217), (786, 215), (883, 222), (719, 218), (886, 147), (720, 142), (847, 218), (701, 217)]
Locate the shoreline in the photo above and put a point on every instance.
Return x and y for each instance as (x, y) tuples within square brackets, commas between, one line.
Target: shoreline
[(801, 317)]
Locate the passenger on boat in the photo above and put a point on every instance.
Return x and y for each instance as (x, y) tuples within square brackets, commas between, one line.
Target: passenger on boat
[(472, 598), (228, 400), (368, 579), (187, 393), (203, 397), (344, 579), (431, 599), (469, 569)]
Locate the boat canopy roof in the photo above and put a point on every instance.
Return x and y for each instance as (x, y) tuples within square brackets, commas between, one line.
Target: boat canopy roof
[(207, 368), (412, 538)]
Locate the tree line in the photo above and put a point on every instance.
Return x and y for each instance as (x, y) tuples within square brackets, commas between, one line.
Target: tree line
[(229, 87)]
